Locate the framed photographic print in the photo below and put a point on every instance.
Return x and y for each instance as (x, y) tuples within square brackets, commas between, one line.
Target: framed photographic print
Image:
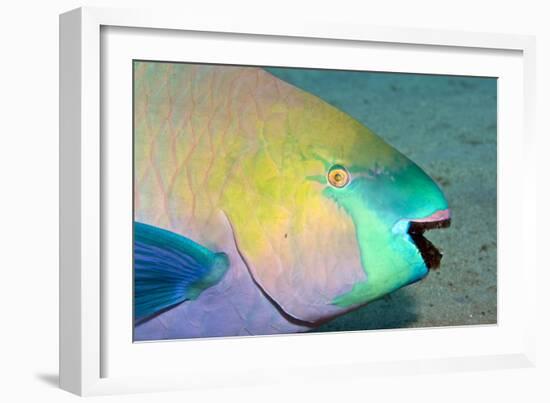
[(240, 197)]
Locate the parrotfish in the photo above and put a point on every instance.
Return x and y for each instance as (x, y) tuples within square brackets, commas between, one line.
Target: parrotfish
[(260, 208)]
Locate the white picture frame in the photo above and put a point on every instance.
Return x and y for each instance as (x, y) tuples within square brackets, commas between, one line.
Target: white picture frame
[(93, 349)]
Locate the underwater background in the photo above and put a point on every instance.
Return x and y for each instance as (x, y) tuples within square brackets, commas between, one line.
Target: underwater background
[(448, 126)]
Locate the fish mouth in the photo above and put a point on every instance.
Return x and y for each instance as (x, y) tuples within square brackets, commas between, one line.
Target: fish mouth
[(430, 254)]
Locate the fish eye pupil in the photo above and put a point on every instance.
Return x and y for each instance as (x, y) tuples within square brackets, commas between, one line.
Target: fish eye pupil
[(338, 176)]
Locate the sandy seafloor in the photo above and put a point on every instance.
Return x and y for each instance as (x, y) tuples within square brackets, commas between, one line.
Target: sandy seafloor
[(448, 126)]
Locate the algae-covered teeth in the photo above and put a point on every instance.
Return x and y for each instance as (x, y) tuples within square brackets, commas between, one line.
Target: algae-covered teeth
[(260, 208)]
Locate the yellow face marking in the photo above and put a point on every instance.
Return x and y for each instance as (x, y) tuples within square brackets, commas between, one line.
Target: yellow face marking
[(338, 176)]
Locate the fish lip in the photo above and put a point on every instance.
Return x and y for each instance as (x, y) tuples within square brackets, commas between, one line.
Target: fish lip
[(438, 216), (416, 227)]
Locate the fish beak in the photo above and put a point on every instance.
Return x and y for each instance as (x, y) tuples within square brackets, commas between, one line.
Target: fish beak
[(415, 229)]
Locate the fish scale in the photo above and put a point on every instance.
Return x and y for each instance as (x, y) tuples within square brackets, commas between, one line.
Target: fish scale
[(190, 146), (190, 196)]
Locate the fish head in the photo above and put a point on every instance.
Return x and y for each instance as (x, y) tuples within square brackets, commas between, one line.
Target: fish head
[(328, 216), (391, 202)]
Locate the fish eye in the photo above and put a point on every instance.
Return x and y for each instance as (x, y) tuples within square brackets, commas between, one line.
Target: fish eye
[(338, 176)]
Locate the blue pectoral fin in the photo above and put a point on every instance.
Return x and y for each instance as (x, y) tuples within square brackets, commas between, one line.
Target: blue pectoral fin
[(169, 269)]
